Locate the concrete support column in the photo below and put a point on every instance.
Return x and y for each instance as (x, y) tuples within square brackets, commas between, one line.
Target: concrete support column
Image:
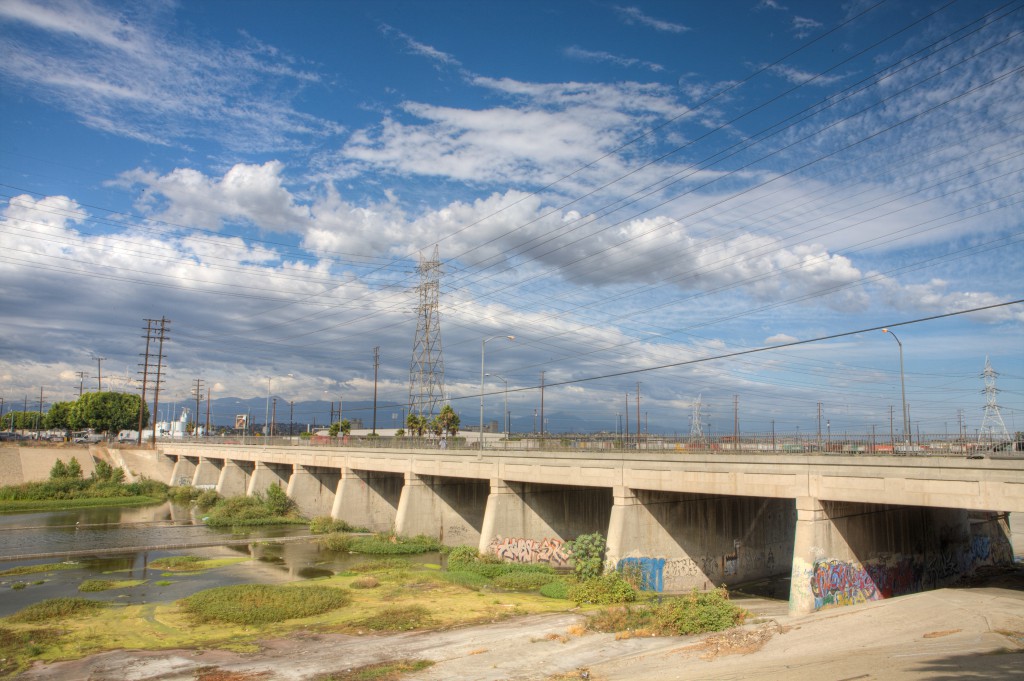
[(183, 473), (207, 472), (813, 533), (265, 475), (423, 510), (233, 480), (513, 530), (312, 497), (366, 499)]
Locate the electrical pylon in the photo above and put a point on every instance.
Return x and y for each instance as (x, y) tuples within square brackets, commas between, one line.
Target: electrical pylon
[(426, 370), (696, 431), (992, 427)]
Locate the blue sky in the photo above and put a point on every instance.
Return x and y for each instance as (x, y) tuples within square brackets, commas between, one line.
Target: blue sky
[(635, 191)]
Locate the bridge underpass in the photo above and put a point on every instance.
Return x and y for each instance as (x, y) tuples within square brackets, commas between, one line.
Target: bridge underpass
[(690, 522)]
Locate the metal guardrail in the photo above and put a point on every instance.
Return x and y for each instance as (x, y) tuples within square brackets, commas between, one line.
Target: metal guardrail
[(746, 444)]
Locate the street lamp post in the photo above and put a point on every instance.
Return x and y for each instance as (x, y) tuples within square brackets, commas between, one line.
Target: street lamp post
[(903, 392), (483, 345), (266, 419)]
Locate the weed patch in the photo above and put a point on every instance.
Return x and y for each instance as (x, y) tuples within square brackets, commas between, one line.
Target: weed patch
[(250, 604), (57, 609), (399, 618), (33, 569), (694, 613)]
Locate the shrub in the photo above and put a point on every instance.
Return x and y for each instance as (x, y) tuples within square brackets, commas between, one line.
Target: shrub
[(694, 613), (556, 589), (325, 524), (587, 552), (277, 502), (57, 609), (208, 498), (366, 582), (462, 555), (336, 541), (262, 603), (384, 544), (603, 590)]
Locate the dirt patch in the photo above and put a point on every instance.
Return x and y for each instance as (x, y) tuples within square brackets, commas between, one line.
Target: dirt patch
[(742, 641)]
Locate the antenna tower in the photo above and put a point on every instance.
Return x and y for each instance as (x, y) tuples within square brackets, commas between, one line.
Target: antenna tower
[(696, 432), (426, 370), (992, 427)]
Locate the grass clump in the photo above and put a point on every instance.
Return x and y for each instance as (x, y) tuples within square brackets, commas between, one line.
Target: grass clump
[(252, 604), (106, 584), (694, 613), (325, 524), (33, 569), (393, 544), (382, 671), (336, 541), (398, 618), (272, 508), (523, 581), (381, 565), (365, 582), (604, 590), (467, 559), (57, 609), (557, 589)]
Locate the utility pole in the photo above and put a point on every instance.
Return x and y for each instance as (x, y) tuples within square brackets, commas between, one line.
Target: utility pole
[(162, 335), (209, 392), (273, 418), (291, 416), (638, 415), (819, 426), (376, 363), (627, 420), (81, 382), (39, 423), (197, 391), (736, 421), (542, 404), (99, 373)]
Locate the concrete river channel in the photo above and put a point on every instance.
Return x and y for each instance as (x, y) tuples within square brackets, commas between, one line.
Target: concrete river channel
[(117, 544)]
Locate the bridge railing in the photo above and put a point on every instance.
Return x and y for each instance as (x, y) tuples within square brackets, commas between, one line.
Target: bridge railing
[(759, 443)]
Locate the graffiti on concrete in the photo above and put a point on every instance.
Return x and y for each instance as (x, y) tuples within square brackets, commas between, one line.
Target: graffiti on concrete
[(525, 550), (648, 571), (835, 582)]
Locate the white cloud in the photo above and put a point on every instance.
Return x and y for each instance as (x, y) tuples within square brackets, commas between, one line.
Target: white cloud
[(421, 49), (635, 15), (88, 60), (803, 26), (581, 54)]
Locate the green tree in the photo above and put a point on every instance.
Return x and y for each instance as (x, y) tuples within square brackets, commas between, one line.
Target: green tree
[(449, 421), (21, 420), (63, 471), (416, 424), (109, 412), (104, 472), (59, 417)]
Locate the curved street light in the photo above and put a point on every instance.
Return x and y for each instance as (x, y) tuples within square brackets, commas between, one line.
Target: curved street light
[(483, 345), (903, 391)]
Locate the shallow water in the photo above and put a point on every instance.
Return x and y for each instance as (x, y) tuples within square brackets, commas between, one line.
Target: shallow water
[(104, 530)]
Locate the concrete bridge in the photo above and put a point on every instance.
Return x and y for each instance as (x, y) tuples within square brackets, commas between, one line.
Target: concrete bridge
[(844, 529)]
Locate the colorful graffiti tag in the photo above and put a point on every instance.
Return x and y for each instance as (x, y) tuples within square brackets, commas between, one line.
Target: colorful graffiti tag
[(525, 550)]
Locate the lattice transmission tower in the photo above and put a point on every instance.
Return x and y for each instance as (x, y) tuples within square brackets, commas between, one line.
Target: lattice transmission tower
[(992, 427), (426, 370), (696, 430)]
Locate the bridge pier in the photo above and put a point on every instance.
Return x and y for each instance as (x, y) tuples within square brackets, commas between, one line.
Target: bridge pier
[(449, 509), (368, 499), (184, 471), (234, 478), (267, 474), (312, 489), (679, 541), (530, 522), (207, 472)]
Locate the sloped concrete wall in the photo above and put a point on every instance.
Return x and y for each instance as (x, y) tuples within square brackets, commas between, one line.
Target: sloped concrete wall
[(33, 464)]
